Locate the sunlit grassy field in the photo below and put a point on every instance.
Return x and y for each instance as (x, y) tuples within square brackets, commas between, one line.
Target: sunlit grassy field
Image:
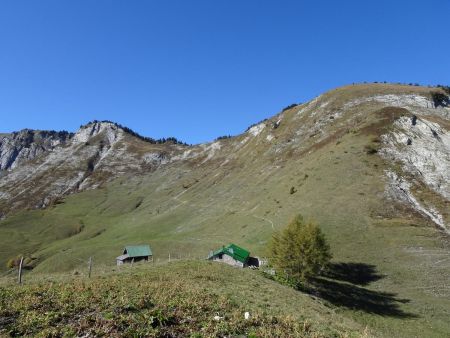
[(180, 299)]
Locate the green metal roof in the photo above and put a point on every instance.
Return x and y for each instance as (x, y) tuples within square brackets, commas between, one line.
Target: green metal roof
[(234, 251), (137, 250)]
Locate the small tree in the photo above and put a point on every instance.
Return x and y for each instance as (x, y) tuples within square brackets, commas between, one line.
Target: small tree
[(300, 250), (13, 262)]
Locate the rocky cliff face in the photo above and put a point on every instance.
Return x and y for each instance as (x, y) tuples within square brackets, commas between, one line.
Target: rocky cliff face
[(40, 167), (25, 145), (421, 147)]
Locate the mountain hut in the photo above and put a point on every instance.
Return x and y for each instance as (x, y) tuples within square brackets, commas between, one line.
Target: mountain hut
[(134, 253)]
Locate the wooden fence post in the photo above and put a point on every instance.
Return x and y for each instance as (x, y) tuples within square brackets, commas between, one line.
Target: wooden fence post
[(90, 266), (20, 270)]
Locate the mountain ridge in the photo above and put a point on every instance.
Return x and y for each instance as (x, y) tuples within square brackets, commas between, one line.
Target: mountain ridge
[(325, 111), (92, 151), (369, 163), (15, 146)]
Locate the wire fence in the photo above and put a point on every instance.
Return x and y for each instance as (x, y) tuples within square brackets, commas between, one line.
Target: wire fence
[(90, 267)]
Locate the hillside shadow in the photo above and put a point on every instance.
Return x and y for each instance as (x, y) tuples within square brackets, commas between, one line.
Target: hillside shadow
[(355, 273), (343, 285)]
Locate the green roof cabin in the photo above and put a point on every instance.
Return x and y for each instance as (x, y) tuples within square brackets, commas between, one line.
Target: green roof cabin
[(134, 253), (232, 255)]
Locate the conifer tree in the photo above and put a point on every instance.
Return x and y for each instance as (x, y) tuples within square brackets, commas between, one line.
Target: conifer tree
[(300, 250)]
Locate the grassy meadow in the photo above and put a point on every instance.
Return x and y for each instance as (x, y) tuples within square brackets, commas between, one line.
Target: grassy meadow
[(178, 299), (390, 271)]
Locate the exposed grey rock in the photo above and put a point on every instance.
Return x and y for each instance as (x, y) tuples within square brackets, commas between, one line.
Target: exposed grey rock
[(43, 166), (426, 158), (26, 145)]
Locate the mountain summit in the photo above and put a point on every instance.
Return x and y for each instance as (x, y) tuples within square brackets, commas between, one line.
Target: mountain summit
[(41, 166), (386, 146), (404, 127), (369, 163)]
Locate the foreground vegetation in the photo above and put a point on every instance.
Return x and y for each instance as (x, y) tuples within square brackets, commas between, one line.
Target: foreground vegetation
[(182, 299)]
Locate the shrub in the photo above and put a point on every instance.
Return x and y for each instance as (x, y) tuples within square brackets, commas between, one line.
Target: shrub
[(289, 107), (13, 262), (440, 100), (444, 88), (224, 137), (371, 149), (300, 250)]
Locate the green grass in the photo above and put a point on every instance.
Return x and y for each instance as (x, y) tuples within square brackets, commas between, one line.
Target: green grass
[(189, 208), (176, 299), (360, 228)]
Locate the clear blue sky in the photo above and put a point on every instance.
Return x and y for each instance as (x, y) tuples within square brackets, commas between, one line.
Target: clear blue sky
[(199, 69)]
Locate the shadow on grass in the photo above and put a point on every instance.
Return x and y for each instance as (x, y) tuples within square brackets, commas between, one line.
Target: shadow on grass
[(342, 286), (355, 273), (358, 298)]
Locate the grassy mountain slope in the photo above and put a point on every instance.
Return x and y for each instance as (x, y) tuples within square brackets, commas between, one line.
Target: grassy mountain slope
[(178, 299), (239, 190)]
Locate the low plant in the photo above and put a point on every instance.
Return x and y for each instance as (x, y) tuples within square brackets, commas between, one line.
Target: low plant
[(175, 300)]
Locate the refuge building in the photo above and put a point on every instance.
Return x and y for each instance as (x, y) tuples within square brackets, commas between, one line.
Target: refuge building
[(134, 253), (233, 255)]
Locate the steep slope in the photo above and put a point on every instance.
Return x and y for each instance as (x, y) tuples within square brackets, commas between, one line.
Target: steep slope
[(46, 169), (421, 147), (370, 163), (25, 145)]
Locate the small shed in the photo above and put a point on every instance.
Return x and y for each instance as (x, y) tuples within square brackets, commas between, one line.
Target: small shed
[(134, 253), (232, 255)]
